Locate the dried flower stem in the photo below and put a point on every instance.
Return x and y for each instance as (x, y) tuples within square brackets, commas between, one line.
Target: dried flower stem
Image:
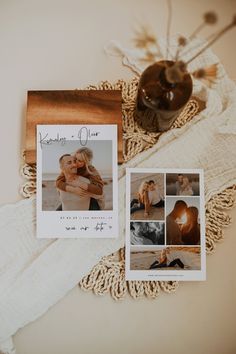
[(177, 53), (217, 36), (181, 44), (158, 49), (184, 52), (168, 27), (197, 30), (208, 38), (209, 18)]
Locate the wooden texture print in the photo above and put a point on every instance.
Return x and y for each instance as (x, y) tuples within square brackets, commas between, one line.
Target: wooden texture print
[(71, 107)]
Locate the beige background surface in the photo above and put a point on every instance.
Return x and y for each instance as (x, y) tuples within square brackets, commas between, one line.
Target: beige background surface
[(57, 44)]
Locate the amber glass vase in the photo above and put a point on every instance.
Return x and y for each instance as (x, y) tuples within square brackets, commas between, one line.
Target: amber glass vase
[(159, 102)]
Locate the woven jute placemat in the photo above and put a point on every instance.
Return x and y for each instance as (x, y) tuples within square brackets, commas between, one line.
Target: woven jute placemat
[(108, 276)]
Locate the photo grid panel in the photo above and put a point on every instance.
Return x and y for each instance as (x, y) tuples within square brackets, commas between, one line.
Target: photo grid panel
[(183, 220), (147, 218), (165, 230)]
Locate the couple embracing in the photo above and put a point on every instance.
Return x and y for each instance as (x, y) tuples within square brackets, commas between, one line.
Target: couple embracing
[(80, 185), (149, 196), (187, 233)]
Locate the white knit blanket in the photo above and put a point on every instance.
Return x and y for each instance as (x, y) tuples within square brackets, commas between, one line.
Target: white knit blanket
[(35, 274)]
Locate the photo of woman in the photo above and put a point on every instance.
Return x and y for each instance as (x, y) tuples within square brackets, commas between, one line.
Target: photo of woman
[(147, 196), (185, 188), (77, 180), (91, 185), (182, 184), (165, 258), (164, 262)]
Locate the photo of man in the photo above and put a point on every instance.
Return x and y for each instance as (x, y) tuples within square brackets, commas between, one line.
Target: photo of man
[(77, 177)]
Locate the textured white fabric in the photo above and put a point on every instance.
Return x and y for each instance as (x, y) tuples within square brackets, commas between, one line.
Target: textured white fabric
[(35, 274)]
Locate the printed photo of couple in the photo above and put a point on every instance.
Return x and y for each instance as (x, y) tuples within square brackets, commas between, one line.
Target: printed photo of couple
[(147, 196), (183, 221), (168, 258), (182, 184), (76, 177), (147, 233)]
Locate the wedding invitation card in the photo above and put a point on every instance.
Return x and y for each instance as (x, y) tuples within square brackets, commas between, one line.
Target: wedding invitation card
[(165, 225), (77, 185)]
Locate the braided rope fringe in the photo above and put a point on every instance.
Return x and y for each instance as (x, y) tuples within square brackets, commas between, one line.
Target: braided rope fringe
[(108, 276)]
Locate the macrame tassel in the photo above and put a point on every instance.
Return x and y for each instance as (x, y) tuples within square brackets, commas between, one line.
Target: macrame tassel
[(216, 218), (107, 276), (136, 289), (28, 171), (28, 189), (152, 289), (210, 245), (169, 286)]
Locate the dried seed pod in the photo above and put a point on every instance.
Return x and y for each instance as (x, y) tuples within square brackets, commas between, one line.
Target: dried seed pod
[(199, 74), (182, 41), (208, 75), (144, 38), (210, 18)]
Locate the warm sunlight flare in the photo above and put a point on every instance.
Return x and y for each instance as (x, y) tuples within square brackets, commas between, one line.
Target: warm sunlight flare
[(183, 220)]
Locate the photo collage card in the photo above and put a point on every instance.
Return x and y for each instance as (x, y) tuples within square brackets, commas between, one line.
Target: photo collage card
[(165, 225)]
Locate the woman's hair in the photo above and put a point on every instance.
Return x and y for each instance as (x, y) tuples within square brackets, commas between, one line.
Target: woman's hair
[(87, 156), (186, 182), (163, 256), (192, 213), (142, 189)]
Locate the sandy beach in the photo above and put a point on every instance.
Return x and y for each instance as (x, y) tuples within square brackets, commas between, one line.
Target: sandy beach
[(189, 255), (50, 195), (143, 260), (136, 180)]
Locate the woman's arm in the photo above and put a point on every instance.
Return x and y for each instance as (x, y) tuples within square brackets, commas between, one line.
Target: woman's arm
[(95, 187)]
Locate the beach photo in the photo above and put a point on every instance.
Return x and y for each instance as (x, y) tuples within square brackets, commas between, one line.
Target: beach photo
[(183, 221), (165, 258), (77, 177), (147, 198), (147, 233), (185, 184)]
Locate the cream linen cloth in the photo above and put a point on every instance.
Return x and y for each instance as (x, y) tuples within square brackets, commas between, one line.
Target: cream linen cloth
[(35, 274)]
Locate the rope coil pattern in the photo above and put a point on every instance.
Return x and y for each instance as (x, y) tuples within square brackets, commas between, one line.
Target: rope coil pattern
[(108, 276)]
